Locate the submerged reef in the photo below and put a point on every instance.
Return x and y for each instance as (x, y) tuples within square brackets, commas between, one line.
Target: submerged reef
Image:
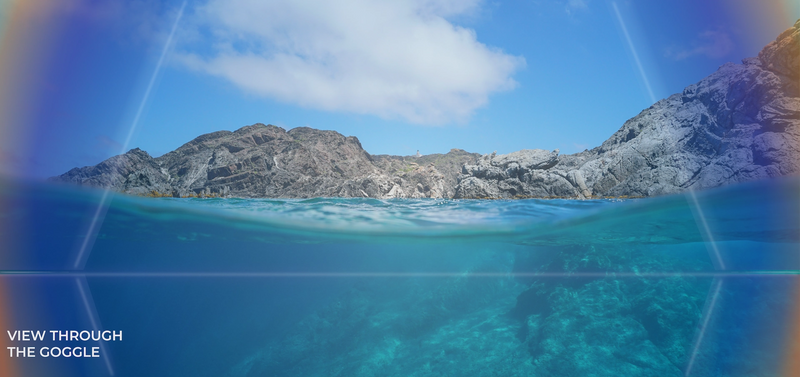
[(545, 311), (517, 325)]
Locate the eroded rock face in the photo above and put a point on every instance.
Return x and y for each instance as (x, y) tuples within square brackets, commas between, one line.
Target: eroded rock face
[(525, 173), (134, 172), (267, 161), (741, 123)]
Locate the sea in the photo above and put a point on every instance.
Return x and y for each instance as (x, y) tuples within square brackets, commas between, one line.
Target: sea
[(703, 283)]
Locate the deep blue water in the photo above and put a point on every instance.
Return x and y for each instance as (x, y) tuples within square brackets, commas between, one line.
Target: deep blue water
[(365, 287)]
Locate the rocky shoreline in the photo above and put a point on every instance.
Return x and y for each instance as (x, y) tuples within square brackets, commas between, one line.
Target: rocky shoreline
[(267, 161), (741, 123)]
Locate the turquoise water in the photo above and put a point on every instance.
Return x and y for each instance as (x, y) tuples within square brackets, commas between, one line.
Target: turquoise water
[(682, 285)]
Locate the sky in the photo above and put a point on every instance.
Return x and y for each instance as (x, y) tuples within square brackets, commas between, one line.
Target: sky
[(83, 80)]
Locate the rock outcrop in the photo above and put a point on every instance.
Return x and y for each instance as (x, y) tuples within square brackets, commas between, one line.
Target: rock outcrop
[(741, 123), (267, 161)]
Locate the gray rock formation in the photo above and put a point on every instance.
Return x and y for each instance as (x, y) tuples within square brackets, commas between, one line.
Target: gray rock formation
[(134, 172), (741, 123), (267, 161)]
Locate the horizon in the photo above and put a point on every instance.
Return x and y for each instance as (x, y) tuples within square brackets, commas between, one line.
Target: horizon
[(84, 82), (233, 240)]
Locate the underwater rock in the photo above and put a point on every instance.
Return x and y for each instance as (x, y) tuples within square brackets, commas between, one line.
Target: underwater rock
[(406, 327), (506, 325), (607, 325)]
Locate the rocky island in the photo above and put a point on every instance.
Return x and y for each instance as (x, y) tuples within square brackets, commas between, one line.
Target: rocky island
[(267, 161), (741, 123)]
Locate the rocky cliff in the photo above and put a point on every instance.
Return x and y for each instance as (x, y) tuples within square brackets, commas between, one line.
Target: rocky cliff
[(741, 123), (267, 161)]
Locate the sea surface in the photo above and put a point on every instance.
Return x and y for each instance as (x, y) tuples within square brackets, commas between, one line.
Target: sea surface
[(696, 284)]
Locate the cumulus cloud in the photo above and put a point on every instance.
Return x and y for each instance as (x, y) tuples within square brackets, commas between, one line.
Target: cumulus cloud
[(388, 58), (712, 43)]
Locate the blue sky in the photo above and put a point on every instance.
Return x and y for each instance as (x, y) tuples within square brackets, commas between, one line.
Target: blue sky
[(427, 75)]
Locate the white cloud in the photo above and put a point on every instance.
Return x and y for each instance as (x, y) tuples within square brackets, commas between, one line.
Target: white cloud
[(388, 58), (712, 44)]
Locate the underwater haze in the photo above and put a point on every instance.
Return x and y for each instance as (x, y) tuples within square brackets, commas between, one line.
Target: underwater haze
[(700, 284)]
